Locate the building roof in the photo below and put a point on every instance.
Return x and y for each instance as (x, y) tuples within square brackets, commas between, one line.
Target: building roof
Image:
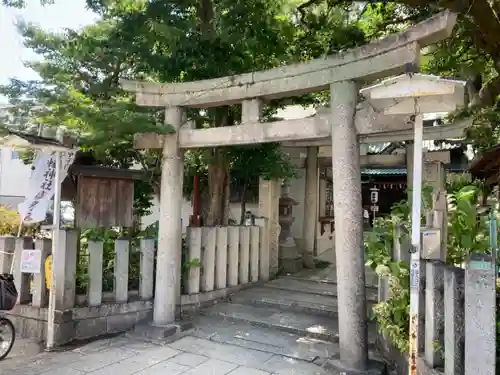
[(384, 171), (486, 165), (403, 171)]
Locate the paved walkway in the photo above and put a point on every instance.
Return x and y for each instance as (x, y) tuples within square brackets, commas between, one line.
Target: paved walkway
[(190, 355), (286, 327)]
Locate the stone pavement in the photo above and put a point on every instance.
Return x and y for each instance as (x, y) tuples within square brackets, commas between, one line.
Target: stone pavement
[(287, 326), (125, 355)]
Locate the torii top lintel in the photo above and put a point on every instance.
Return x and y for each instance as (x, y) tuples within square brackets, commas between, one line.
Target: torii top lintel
[(375, 60)]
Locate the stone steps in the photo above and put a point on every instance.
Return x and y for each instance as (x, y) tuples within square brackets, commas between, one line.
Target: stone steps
[(328, 276), (298, 300), (289, 301), (320, 288), (293, 316), (250, 336), (307, 325)]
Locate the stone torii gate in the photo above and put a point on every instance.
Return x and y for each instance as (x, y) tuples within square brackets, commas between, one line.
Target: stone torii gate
[(345, 122)]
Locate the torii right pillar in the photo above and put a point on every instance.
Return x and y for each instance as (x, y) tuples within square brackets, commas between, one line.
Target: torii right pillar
[(353, 337)]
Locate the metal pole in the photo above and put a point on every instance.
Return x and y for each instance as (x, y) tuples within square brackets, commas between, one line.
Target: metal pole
[(415, 242), (55, 240), (493, 238)]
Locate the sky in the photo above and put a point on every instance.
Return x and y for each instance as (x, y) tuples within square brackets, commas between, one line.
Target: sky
[(62, 14)]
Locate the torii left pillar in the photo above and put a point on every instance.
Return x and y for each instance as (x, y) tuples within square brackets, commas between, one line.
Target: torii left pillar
[(168, 257)]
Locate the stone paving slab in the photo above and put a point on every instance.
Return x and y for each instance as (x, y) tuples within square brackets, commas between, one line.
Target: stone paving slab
[(188, 356), (247, 358), (264, 339)]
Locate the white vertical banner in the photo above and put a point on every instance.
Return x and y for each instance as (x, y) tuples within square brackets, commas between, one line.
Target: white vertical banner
[(42, 185)]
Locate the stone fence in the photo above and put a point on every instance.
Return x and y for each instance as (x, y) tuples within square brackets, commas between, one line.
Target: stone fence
[(220, 261), (457, 320)]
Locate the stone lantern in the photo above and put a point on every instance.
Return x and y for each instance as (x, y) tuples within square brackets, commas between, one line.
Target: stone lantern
[(290, 258)]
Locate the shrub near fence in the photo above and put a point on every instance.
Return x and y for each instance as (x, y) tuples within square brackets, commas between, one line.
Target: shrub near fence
[(449, 295)]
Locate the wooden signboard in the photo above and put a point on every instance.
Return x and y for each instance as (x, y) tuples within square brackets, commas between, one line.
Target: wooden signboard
[(104, 202)]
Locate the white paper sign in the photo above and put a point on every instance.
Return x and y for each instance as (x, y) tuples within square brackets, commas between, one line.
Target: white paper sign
[(42, 185), (31, 261)]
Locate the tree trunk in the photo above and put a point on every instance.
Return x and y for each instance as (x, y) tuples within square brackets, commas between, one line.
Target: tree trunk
[(225, 202), (217, 172), (243, 203), (218, 176)]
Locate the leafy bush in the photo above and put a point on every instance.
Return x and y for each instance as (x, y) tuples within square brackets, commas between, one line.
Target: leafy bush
[(9, 223), (467, 232), (108, 237), (392, 315)]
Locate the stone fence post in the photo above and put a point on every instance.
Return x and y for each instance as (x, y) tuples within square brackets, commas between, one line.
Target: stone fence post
[(7, 246), (64, 269), (480, 315), (22, 280), (40, 295), (454, 321), (434, 313)]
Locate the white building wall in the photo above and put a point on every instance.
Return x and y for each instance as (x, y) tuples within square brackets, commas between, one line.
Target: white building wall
[(14, 177), (187, 211), (297, 190)]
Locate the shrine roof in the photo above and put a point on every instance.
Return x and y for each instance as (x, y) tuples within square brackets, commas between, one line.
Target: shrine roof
[(384, 171)]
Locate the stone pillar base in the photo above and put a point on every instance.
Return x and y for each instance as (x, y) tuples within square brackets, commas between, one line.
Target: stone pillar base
[(157, 334), (290, 259), (374, 367)]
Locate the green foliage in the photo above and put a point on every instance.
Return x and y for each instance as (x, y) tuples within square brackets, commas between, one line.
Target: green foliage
[(467, 232), (168, 42), (392, 315), (108, 237)]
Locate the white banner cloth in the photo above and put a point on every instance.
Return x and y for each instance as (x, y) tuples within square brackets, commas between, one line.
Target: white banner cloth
[(41, 185)]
